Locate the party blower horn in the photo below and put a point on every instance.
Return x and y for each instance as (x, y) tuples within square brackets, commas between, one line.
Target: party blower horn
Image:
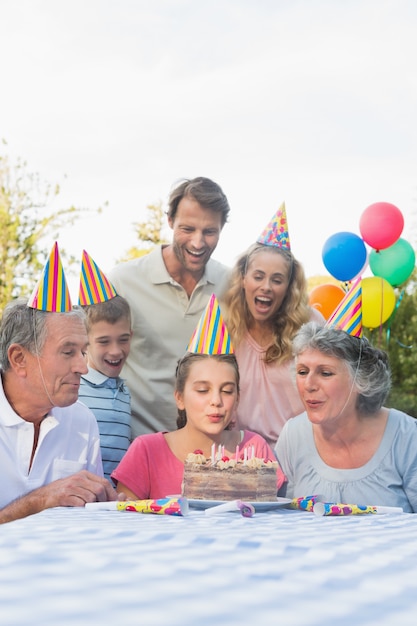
[(305, 503), (337, 508), (246, 508), (159, 506)]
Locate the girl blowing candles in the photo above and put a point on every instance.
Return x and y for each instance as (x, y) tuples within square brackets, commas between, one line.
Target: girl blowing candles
[(206, 394)]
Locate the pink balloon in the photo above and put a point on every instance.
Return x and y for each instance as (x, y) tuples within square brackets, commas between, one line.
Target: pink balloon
[(381, 224)]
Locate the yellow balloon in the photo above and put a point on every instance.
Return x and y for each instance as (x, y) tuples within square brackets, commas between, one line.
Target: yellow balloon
[(378, 301)]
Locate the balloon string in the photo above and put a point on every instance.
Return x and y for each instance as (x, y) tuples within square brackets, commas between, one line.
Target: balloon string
[(397, 304), (382, 308), (403, 345)]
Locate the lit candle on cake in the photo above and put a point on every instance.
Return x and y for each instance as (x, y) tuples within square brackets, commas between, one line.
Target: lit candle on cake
[(213, 451), (237, 453)]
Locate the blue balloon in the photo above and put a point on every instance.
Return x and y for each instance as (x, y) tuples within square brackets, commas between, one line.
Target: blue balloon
[(344, 255)]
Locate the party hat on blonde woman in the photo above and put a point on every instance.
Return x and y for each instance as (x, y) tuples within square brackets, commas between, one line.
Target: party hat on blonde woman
[(95, 287), (275, 232), (347, 315), (211, 335), (51, 293)]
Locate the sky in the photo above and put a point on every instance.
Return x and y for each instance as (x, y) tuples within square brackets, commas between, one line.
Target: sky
[(310, 102)]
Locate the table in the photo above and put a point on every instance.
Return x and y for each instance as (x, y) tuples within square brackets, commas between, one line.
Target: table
[(73, 566)]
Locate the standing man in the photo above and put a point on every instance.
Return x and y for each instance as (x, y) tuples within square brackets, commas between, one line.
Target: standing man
[(168, 290)]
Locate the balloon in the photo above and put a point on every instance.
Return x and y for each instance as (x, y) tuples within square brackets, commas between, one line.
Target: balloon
[(381, 224), (325, 298), (395, 264), (363, 268), (378, 301), (344, 255)]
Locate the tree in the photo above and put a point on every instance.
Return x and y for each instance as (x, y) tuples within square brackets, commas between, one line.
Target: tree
[(398, 337), (24, 225), (148, 232)]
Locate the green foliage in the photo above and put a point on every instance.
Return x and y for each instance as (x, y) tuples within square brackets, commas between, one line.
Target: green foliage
[(149, 232), (25, 225), (398, 337)]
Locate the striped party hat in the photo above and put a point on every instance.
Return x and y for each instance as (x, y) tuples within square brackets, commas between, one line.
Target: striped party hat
[(276, 231), (347, 315), (211, 335), (94, 285), (51, 293)]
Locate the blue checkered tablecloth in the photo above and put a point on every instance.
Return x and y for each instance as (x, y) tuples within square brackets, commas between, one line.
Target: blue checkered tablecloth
[(74, 566)]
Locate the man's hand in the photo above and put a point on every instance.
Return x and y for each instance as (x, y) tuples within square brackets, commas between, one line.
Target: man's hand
[(74, 490), (77, 490)]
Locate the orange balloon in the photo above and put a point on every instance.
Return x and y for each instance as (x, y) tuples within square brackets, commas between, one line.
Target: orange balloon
[(325, 298)]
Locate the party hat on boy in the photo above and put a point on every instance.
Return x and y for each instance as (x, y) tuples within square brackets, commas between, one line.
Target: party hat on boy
[(51, 293), (275, 232), (95, 287), (347, 315), (211, 335)]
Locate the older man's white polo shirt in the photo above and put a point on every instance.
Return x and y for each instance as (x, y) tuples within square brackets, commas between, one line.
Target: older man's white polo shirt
[(68, 442)]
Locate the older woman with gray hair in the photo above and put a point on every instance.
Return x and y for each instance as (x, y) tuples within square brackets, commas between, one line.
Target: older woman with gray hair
[(347, 447)]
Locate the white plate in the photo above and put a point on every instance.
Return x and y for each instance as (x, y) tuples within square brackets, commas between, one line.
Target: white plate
[(259, 506)]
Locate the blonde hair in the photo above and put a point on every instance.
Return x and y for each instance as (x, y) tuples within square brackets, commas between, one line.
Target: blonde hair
[(292, 314)]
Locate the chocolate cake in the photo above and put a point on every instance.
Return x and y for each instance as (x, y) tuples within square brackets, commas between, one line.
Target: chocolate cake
[(252, 480)]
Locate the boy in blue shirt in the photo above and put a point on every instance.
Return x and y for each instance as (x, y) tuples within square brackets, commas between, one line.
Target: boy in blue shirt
[(109, 330)]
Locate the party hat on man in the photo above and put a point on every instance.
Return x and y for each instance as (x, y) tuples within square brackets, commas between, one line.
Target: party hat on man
[(95, 287), (347, 315), (275, 232), (211, 335), (51, 293)]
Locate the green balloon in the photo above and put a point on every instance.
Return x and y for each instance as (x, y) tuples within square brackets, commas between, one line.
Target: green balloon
[(395, 264)]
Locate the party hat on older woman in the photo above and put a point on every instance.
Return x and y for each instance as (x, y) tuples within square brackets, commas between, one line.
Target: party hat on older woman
[(347, 315), (95, 287), (51, 292), (211, 335), (276, 232)]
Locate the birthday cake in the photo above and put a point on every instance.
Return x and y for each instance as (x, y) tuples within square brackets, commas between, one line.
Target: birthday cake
[(227, 479)]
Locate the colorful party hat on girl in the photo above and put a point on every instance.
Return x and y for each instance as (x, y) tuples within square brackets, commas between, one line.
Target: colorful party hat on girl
[(347, 315), (94, 285), (51, 293), (211, 335), (276, 232)]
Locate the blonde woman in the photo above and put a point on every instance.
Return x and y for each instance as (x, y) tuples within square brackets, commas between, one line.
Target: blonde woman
[(264, 307)]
